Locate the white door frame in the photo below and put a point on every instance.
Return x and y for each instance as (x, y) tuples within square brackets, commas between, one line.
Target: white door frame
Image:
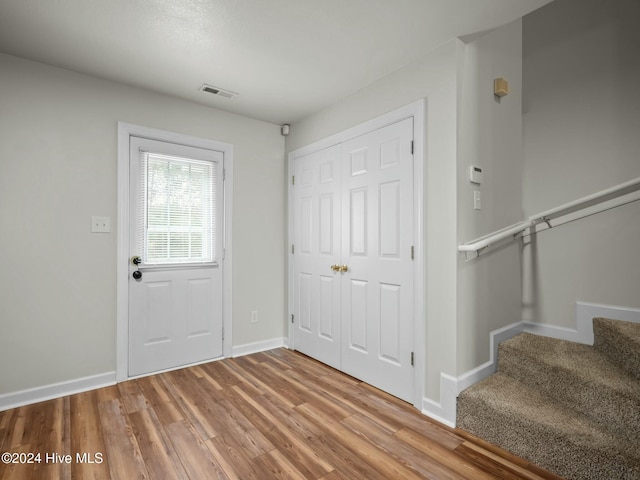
[(416, 110), (125, 131)]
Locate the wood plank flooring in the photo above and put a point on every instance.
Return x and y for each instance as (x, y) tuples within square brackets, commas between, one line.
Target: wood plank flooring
[(271, 415)]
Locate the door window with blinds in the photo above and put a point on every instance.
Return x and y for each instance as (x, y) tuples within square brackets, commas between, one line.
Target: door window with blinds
[(176, 209)]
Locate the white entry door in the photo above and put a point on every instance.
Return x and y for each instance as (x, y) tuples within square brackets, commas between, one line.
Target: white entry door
[(353, 267), (175, 268)]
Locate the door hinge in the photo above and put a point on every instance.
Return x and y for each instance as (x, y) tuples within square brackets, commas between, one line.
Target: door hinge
[(293, 180), (412, 253), (412, 359), (224, 174), (292, 317), (223, 333), (293, 249), (411, 147)]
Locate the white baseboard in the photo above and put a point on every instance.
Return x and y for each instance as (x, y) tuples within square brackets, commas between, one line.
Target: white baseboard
[(481, 372), (56, 390), (585, 313), (583, 333), (578, 335), (48, 392), (445, 410), (450, 387), (249, 348)]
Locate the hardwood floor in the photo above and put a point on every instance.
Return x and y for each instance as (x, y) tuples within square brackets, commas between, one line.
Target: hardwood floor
[(271, 415)]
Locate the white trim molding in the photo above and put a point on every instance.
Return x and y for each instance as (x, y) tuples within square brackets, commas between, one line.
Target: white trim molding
[(262, 346), (125, 131), (450, 386), (56, 390), (445, 410), (585, 313)]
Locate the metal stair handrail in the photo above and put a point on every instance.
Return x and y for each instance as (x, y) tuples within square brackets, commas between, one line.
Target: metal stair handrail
[(583, 203)]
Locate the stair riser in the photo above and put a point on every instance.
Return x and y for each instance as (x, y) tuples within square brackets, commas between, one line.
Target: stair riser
[(620, 348), (613, 411), (535, 441)]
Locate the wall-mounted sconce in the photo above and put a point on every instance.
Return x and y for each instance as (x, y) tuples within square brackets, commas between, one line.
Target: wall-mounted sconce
[(500, 87)]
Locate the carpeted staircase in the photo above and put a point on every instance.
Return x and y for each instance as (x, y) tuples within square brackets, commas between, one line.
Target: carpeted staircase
[(573, 409)]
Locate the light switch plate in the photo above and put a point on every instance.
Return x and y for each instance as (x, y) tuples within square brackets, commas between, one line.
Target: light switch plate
[(477, 200), (100, 224)]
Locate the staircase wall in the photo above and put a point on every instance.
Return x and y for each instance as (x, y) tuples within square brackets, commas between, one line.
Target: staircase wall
[(489, 290), (581, 115)]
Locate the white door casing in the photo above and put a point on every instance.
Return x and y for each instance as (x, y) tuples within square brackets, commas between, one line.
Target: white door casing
[(353, 272), (179, 320)]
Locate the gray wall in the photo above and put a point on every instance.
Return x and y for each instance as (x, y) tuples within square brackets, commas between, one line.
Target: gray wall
[(581, 134), (489, 136), (58, 168)]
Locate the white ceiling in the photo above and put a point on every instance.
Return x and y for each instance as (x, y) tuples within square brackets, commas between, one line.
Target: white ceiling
[(285, 58)]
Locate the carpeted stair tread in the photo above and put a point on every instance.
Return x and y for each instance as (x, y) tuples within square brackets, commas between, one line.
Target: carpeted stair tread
[(620, 341), (578, 376), (518, 418)]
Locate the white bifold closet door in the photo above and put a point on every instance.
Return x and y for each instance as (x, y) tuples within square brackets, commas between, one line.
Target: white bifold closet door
[(353, 267)]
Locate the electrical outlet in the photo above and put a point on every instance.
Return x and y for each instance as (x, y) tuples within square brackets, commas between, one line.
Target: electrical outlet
[(100, 224), (254, 316)]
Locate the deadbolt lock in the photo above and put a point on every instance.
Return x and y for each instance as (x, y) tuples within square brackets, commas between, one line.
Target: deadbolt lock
[(136, 260)]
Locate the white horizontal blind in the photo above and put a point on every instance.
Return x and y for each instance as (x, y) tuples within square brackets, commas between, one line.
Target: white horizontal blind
[(177, 210)]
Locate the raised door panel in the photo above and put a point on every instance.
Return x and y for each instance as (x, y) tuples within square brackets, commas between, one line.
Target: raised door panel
[(358, 316), (390, 323), (204, 320), (390, 215), (156, 318)]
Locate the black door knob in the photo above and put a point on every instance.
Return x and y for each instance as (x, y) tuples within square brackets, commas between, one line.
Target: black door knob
[(137, 274)]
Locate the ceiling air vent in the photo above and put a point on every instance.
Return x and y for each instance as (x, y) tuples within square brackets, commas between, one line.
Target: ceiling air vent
[(221, 92)]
